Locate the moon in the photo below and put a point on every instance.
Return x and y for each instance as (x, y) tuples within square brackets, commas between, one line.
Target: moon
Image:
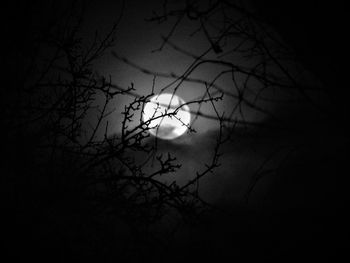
[(167, 127)]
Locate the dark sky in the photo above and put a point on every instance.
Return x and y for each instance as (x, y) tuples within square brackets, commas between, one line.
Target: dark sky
[(296, 212), (316, 30)]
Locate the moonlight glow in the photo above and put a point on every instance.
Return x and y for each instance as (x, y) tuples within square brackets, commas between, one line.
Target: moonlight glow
[(167, 127)]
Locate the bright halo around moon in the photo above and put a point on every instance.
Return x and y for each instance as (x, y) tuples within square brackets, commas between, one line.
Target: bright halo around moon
[(167, 127)]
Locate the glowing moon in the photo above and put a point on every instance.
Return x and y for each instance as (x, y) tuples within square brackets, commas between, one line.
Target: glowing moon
[(167, 127)]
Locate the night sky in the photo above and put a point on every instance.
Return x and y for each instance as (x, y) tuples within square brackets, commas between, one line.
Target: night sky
[(280, 189)]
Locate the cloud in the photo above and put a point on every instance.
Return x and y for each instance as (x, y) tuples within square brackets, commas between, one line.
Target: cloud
[(228, 184)]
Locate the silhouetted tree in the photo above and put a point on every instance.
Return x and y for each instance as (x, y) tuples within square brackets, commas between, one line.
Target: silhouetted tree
[(69, 180), (73, 178)]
